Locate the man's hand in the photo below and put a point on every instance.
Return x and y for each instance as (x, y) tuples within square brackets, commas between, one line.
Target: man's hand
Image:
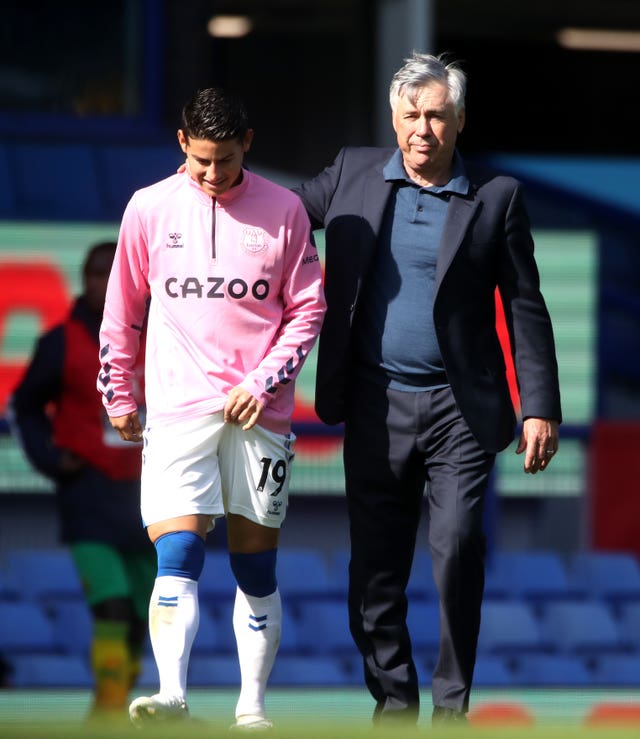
[(242, 408), (128, 427), (539, 439)]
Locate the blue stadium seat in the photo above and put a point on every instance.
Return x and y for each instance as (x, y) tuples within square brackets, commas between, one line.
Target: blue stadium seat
[(586, 628), (25, 628), (535, 575), (307, 671), (629, 623), (72, 626), (496, 584), (559, 670), (492, 671), (148, 677), (8, 590), (338, 572), (214, 670), (302, 572), (216, 582), (509, 627), (69, 190), (618, 670), (421, 583), (423, 620), (50, 671), (126, 168), (323, 628), (7, 196), (613, 576), (46, 575)]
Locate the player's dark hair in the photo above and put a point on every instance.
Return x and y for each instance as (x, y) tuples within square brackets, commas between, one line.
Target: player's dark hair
[(214, 114)]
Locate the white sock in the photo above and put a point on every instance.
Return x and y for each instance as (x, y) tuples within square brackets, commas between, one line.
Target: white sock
[(257, 623), (174, 616)]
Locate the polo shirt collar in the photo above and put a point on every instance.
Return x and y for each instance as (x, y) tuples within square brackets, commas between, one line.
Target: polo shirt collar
[(394, 171)]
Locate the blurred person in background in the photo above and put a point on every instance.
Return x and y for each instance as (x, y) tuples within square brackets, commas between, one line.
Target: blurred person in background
[(236, 303), (417, 241), (64, 430)]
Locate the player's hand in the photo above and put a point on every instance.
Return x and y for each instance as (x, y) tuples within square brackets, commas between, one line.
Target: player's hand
[(539, 441), (242, 408), (128, 427)]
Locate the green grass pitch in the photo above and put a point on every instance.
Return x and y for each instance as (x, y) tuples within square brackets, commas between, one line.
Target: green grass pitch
[(319, 714)]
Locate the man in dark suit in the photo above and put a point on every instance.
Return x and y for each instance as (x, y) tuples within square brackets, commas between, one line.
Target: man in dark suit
[(417, 242)]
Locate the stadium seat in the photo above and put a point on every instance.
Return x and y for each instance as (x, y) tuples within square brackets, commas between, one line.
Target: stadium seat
[(8, 591), (128, 167), (558, 670), (496, 584), (25, 628), (50, 671), (7, 196), (423, 620), (338, 572), (323, 628), (72, 626), (509, 627), (421, 583), (72, 191), (302, 573), (535, 575), (216, 582), (586, 628), (46, 575), (148, 677), (618, 670), (613, 576), (308, 671), (492, 671), (214, 670), (629, 623)]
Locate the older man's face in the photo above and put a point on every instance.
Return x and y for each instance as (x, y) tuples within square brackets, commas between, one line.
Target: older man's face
[(427, 128)]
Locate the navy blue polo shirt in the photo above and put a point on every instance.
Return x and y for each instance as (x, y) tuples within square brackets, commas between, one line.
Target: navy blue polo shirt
[(396, 342)]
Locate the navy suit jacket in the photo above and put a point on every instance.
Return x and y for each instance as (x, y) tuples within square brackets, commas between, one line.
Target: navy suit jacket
[(486, 243)]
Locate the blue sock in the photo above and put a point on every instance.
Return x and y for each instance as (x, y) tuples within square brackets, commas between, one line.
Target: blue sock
[(255, 573), (181, 554)]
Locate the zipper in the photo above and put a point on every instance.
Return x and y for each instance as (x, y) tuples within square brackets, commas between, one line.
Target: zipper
[(213, 229)]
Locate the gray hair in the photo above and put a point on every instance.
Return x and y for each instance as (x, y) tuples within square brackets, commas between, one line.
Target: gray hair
[(424, 69)]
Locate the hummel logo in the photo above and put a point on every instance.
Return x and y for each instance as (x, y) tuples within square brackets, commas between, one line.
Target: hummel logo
[(176, 241), (257, 623)]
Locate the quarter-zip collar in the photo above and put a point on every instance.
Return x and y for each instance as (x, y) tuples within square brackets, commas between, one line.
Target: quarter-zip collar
[(228, 197)]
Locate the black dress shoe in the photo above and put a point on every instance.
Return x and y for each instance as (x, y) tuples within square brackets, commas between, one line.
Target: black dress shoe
[(442, 715)]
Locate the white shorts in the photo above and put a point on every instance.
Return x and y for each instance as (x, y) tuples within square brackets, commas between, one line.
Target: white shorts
[(204, 465)]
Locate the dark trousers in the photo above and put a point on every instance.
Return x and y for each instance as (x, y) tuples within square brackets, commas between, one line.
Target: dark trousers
[(395, 442)]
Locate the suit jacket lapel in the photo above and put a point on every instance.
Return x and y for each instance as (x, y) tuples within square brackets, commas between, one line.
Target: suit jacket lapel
[(375, 196), (459, 215)]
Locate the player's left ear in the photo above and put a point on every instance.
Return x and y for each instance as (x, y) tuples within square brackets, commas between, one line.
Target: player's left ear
[(461, 120), (246, 142)]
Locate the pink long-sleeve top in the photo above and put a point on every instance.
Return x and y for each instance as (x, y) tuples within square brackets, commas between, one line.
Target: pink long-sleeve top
[(233, 289)]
